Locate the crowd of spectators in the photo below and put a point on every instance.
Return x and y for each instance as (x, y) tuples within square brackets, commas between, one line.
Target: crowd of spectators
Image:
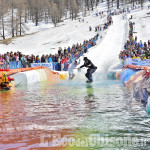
[(64, 56), (134, 49)]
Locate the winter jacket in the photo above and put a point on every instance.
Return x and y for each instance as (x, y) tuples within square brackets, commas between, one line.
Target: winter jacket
[(88, 64)]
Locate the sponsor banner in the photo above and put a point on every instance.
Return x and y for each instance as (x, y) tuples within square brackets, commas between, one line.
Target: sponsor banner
[(48, 65)]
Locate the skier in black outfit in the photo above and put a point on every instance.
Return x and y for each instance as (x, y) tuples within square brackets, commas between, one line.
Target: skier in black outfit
[(91, 69)]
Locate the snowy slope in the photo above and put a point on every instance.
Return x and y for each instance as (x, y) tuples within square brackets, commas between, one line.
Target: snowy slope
[(142, 24), (107, 51), (68, 33)]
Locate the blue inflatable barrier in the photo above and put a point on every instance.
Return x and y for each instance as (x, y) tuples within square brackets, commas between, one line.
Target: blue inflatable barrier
[(126, 74)]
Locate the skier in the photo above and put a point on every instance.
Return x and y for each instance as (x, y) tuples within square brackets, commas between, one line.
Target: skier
[(91, 69), (72, 67), (90, 28)]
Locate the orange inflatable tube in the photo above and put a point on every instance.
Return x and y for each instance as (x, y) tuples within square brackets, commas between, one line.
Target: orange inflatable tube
[(147, 69), (51, 75)]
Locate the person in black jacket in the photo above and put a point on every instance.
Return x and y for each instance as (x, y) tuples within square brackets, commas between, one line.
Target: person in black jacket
[(91, 68), (43, 59)]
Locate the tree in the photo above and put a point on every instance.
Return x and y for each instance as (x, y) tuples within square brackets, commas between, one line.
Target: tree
[(108, 4), (73, 9), (3, 10), (19, 18), (112, 3), (141, 1), (54, 12), (92, 4), (12, 17), (87, 4), (118, 3)]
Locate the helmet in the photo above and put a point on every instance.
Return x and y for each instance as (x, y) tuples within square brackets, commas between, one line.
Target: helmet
[(4, 74)]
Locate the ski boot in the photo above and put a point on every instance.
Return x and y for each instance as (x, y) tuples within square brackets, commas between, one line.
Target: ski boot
[(90, 80), (71, 76)]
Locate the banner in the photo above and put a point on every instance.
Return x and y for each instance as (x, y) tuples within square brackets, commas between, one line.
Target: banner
[(138, 62), (48, 65)]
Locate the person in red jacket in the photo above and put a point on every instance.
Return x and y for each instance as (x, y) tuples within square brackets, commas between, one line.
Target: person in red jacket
[(63, 62)]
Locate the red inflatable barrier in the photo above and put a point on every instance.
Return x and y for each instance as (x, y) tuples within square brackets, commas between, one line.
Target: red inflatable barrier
[(4, 70), (147, 69)]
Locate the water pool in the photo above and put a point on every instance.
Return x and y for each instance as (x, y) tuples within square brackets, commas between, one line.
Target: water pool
[(39, 116)]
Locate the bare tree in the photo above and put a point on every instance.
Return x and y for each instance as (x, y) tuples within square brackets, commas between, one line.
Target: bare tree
[(118, 3), (54, 13), (108, 4), (112, 3), (87, 4), (92, 4), (15, 13), (12, 3), (3, 10), (20, 11)]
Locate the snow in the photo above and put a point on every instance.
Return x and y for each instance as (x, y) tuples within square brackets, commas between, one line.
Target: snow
[(142, 24), (106, 53), (66, 34)]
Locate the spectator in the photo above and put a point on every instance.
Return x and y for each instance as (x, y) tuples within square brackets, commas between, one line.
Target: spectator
[(63, 58), (90, 28), (50, 59), (149, 43), (37, 59), (23, 61), (43, 59)]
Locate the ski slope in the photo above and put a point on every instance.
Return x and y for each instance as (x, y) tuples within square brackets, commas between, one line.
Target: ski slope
[(48, 40), (106, 53)]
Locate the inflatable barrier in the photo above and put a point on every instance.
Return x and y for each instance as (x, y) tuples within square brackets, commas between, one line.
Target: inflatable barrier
[(126, 74), (24, 76), (138, 78), (147, 69)]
